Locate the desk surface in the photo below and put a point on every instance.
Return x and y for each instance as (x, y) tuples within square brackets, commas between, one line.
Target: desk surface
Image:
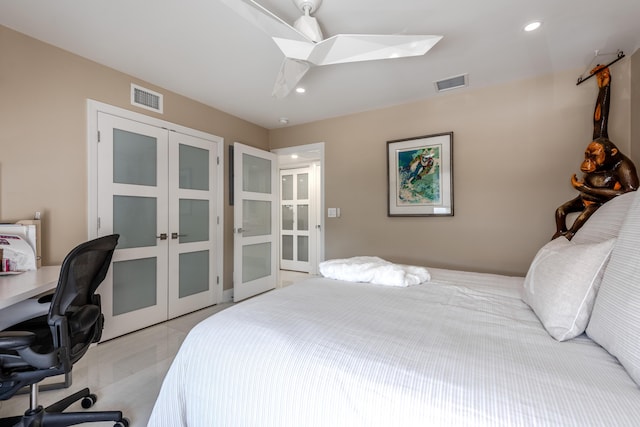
[(16, 288)]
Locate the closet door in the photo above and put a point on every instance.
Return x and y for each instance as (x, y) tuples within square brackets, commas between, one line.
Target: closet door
[(132, 201), (192, 223)]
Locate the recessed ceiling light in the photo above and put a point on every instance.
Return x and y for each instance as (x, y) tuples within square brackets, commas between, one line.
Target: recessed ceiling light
[(532, 26), (284, 121), (300, 90), (294, 156)]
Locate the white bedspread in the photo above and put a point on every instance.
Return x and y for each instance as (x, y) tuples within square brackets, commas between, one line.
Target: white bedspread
[(370, 269), (462, 351)]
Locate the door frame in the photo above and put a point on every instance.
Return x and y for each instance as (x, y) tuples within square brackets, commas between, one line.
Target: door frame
[(314, 148), (93, 108)]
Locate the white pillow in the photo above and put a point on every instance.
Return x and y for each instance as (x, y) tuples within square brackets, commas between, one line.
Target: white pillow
[(562, 283), (615, 323), (605, 223)]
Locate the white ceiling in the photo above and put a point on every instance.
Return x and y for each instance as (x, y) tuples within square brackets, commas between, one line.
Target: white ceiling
[(203, 50)]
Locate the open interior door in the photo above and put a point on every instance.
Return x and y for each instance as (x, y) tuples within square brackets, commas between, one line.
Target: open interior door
[(255, 221)]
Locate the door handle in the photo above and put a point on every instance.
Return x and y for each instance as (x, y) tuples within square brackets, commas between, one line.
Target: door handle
[(162, 236), (238, 230), (176, 235)]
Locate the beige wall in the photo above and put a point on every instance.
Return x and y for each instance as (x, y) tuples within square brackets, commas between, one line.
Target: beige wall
[(515, 148), (43, 147)]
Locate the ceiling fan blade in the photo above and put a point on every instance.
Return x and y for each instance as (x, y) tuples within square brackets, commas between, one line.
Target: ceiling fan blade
[(291, 72), (295, 49), (343, 48), (265, 20)]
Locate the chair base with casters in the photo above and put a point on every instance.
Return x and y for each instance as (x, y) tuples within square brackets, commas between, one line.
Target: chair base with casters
[(53, 415)]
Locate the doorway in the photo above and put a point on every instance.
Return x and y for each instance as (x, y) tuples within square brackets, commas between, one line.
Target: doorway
[(301, 222)]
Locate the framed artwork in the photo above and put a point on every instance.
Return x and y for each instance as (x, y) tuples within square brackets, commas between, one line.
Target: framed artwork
[(420, 173)]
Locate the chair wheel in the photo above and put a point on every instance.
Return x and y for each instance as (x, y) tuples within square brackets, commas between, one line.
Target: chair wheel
[(123, 423), (89, 401)]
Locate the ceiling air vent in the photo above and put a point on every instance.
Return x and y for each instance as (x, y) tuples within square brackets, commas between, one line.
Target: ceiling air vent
[(452, 83), (145, 98)]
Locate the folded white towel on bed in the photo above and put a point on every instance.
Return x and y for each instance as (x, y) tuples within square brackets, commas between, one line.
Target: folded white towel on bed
[(373, 270)]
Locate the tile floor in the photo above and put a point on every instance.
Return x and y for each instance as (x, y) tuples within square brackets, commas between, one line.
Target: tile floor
[(126, 373)]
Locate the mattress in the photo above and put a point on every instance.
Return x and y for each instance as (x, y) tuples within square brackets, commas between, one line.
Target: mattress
[(462, 349)]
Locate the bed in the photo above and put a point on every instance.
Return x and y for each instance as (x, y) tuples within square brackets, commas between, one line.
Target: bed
[(462, 349)]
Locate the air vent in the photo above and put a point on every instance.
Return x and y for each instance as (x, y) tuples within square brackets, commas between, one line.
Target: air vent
[(145, 98), (452, 83)]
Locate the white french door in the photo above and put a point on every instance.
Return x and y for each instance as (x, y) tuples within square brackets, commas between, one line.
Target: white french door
[(157, 189), (132, 156), (255, 221), (297, 218), (192, 224)]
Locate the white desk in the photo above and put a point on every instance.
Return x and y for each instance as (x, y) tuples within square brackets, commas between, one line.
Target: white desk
[(19, 287)]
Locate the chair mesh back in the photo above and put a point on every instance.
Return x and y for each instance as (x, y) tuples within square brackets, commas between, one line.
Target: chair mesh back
[(82, 271)]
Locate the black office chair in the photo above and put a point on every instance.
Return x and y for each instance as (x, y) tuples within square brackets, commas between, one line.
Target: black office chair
[(50, 345)]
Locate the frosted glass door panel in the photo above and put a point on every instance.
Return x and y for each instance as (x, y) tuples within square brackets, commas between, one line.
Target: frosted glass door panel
[(256, 261), (303, 186), (194, 220), (287, 217), (194, 273), (287, 247), (303, 217), (134, 158), (303, 248), (134, 219), (256, 174), (194, 167), (134, 285), (256, 218), (287, 187)]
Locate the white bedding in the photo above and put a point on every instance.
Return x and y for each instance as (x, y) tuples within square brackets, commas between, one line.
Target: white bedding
[(371, 269), (463, 350)]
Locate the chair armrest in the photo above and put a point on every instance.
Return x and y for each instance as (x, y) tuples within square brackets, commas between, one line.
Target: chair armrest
[(46, 299), (16, 340), (20, 341)]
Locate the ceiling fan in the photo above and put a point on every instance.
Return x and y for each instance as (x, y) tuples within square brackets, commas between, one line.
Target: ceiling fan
[(303, 44)]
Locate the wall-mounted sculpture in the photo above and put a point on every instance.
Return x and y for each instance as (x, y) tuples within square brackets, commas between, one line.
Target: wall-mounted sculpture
[(607, 172)]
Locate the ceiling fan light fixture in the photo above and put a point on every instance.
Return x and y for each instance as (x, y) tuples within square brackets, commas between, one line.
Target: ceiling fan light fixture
[(532, 26)]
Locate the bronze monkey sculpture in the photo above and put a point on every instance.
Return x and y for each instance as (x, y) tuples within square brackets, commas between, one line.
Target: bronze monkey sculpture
[(607, 174)]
